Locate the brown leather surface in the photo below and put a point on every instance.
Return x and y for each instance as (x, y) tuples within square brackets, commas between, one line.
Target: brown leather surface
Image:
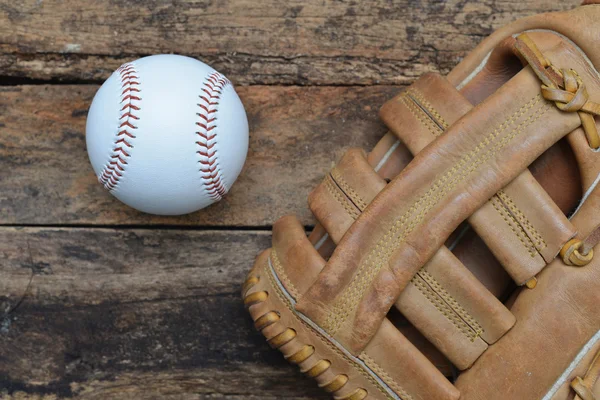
[(424, 111), (515, 222), (344, 193), (294, 259), (554, 322), (419, 199), (417, 116), (418, 375), (441, 296), (454, 310), (515, 167), (523, 227)]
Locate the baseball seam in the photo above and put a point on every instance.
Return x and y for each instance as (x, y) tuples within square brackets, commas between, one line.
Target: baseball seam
[(210, 171), (123, 143)]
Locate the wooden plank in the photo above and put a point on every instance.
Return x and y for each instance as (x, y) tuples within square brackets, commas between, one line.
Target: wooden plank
[(297, 133), (257, 382), (94, 313), (145, 314), (266, 42)]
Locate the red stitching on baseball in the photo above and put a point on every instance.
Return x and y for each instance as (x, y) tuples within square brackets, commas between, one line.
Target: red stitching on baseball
[(113, 171), (130, 115), (125, 133), (210, 173), (129, 89), (130, 97), (123, 141)]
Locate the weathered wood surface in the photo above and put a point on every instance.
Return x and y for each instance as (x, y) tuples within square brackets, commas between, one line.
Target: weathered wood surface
[(144, 314), (296, 135), (253, 42), (104, 313), (109, 312)]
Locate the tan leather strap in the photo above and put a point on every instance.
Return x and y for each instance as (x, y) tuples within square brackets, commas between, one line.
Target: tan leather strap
[(577, 252), (521, 224), (345, 193), (591, 241), (387, 159), (562, 86), (453, 310), (448, 181), (584, 387), (444, 301), (424, 111), (296, 264), (567, 90), (523, 227), (293, 257)]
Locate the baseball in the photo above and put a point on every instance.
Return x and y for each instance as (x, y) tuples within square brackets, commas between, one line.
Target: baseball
[(167, 134)]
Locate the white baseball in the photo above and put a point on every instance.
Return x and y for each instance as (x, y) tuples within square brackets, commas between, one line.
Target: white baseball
[(167, 134)]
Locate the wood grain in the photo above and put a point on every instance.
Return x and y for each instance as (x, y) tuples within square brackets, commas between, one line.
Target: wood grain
[(113, 314), (93, 309), (304, 42), (93, 313), (297, 133)]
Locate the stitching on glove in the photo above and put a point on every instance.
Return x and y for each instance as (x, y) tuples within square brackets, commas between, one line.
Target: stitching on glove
[(423, 103), (349, 299), (539, 242), (418, 113), (514, 226), (348, 190), (448, 298), (282, 274), (335, 191), (385, 376), (533, 245), (487, 148), (418, 105), (412, 96), (286, 301), (437, 288), (444, 309)]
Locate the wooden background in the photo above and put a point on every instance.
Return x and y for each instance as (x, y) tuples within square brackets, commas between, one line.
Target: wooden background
[(98, 301)]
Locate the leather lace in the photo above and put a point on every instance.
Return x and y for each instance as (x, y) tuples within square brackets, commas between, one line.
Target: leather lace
[(567, 90), (583, 387), (573, 97), (564, 87)]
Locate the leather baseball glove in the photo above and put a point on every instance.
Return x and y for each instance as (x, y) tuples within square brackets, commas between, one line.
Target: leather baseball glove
[(474, 259)]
